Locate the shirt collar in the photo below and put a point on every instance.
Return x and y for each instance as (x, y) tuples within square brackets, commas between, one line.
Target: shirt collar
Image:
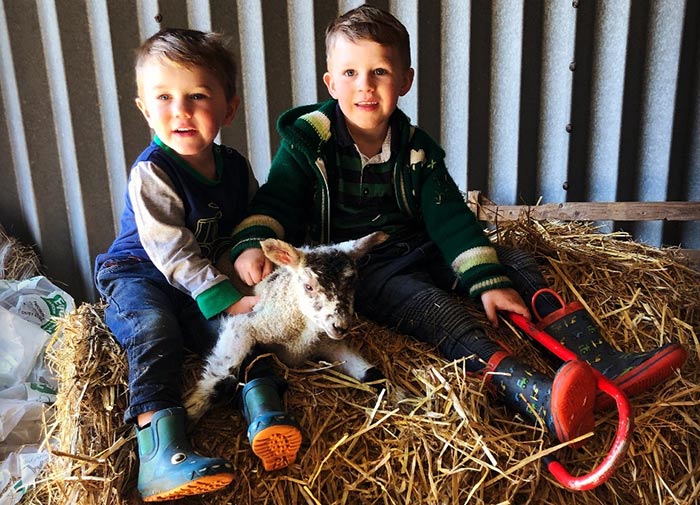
[(345, 140), (173, 155), (342, 132)]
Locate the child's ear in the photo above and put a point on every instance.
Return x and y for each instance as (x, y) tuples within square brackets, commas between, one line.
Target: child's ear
[(408, 82), (330, 85), (144, 110), (231, 109), (141, 106)]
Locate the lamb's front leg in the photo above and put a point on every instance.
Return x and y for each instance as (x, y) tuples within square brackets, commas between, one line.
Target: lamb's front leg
[(351, 362), (230, 350)]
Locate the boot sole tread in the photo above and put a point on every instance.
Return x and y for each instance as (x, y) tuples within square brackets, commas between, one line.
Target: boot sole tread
[(573, 401), (202, 485), (277, 446)]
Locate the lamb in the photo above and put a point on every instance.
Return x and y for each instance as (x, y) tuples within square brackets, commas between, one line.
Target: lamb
[(305, 310)]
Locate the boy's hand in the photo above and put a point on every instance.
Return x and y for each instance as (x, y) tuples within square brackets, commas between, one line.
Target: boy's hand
[(242, 306), (252, 266), (506, 299)]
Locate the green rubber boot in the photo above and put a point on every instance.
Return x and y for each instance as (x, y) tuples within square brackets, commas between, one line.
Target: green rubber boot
[(274, 436), (168, 467), (564, 403), (633, 373)]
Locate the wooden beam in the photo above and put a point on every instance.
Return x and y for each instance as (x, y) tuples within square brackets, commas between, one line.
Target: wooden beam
[(486, 210)]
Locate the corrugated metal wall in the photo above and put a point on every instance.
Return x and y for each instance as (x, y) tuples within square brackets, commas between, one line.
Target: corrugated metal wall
[(566, 100)]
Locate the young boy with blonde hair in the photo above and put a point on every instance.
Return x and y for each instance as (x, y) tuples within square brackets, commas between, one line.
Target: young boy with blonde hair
[(355, 164), (185, 196)]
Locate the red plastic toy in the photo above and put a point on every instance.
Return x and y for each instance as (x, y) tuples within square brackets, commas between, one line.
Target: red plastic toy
[(612, 460)]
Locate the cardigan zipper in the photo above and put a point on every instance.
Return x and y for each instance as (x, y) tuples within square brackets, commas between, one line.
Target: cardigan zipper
[(325, 207)]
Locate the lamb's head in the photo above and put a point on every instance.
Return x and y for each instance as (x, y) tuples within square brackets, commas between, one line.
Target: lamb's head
[(324, 278)]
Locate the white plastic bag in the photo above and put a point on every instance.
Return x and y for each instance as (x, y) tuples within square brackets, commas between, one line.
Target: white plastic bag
[(20, 424), (28, 312), (36, 300), (21, 342), (32, 391), (18, 472), (21, 411)]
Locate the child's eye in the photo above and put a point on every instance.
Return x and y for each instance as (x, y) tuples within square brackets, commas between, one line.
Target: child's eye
[(380, 71), (349, 73), (163, 97), (198, 96)]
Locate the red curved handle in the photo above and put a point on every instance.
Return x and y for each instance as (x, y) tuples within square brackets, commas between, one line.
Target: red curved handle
[(533, 305), (612, 460)]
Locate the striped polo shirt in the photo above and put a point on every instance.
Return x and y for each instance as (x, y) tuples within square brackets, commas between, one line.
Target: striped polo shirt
[(364, 197)]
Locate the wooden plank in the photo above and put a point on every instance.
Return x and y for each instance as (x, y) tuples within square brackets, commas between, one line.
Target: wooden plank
[(586, 211), (486, 210)]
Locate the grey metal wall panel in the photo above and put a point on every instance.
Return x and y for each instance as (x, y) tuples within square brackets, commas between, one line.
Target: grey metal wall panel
[(552, 113), (532, 99), (606, 96), (455, 88)]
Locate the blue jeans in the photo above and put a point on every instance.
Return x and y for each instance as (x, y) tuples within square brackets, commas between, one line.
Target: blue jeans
[(408, 286), (154, 323)]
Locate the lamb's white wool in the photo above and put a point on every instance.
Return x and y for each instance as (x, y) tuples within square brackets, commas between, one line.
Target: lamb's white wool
[(305, 310)]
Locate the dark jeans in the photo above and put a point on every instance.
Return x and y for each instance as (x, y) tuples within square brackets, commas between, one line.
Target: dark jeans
[(408, 286), (154, 323)]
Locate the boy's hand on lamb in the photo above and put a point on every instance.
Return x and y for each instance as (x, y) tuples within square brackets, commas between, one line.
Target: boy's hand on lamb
[(245, 304), (252, 266), (506, 299)]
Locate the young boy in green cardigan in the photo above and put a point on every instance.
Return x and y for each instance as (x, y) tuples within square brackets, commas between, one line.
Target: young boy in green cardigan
[(355, 164)]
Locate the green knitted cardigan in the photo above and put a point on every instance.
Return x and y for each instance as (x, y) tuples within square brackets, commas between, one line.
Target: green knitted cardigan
[(294, 204)]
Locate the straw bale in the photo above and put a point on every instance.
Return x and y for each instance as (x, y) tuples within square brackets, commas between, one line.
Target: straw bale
[(445, 442), (17, 261)]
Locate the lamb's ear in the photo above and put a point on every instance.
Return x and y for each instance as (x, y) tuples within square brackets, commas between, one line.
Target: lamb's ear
[(281, 253), (359, 247)]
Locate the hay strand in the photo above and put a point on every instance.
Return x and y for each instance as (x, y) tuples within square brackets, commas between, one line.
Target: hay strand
[(17, 260)]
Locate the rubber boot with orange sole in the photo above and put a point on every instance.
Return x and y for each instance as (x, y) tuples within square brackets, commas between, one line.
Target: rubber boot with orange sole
[(169, 468), (633, 373), (274, 436), (564, 403)]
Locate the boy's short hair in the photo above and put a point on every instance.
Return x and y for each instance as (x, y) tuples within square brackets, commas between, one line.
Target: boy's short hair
[(370, 23), (192, 48)]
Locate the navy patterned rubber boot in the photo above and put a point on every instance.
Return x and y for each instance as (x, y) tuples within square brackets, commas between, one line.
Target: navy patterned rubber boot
[(274, 436), (564, 404), (168, 467), (633, 373)]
